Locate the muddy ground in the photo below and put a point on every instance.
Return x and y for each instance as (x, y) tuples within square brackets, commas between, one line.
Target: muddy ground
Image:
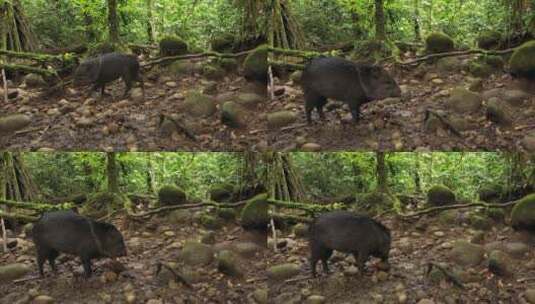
[(425, 118), (133, 279)]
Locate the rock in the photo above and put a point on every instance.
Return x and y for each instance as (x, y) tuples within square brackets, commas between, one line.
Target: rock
[(315, 299), (254, 214), (199, 105), (208, 238), (210, 88), (516, 249), (311, 147), (523, 213), (463, 101), (255, 65), (84, 122), (481, 69), (496, 93), (301, 230), (246, 249), (233, 115), (489, 40), (171, 195), (195, 253), (261, 296), (213, 72), (499, 112), (481, 222), (440, 195), (500, 263), (449, 64), (528, 142), (180, 216), (439, 43), (211, 222), (12, 123), (530, 295), (426, 301), (33, 81), (42, 299), (249, 100), (130, 297), (476, 85), (12, 272), (466, 254), (295, 77), (281, 119), (521, 63), (171, 84), (229, 264), (515, 97), (478, 238), (282, 272), (137, 95)]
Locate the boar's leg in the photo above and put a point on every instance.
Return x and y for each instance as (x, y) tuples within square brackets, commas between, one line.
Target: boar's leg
[(86, 262), (41, 257), (128, 82), (52, 255), (314, 100), (325, 255), (361, 257), (355, 112)]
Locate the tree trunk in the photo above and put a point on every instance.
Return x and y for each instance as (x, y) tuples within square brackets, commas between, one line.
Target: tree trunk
[(416, 173), (380, 33), (112, 172), (150, 21), (89, 30), (113, 21), (382, 173), (151, 183), (3, 197), (417, 31)]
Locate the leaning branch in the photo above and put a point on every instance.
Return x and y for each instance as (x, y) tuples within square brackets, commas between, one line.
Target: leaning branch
[(456, 206), (35, 206), (28, 69), (456, 53), (18, 217), (185, 206), (161, 60)]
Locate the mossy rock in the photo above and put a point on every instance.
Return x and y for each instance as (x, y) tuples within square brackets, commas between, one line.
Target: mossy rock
[(255, 213), (522, 63), (199, 105), (255, 65), (183, 68), (223, 43), (233, 115), (489, 40), (102, 48), (496, 214), (490, 193), (481, 222), (376, 201), (480, 69), (440, 195), (494, 61), (227, 214), (523, 214), (463, 101), (228, 64), (173, 46), (15, 122), (213, 72), (439, 43), (171, 195), (222, 192), (211, 222)]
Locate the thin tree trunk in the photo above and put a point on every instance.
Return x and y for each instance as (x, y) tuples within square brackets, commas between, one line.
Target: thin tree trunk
[(417, 30), (151, 183), (150, 21), (416, 173), (382, 173), (3, 197), (380, 33), (113, 21), (112, 173)]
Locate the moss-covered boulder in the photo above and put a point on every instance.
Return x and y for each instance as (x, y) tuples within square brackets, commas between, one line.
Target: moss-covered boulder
[(34, 81), (12, 272), (440, 195), (481, 222), (522, 63), (183, 68), (494, 61), (281, 119), (376, 201), (523, 214), (195, 253), (102, 48), (282, 272), (173, 46), (199, 105), (464, 101), (221, 192), (254, 214), (211, 222), (101, 203), (490, 193), (233, 115), (227, 214), (496, 214), (223, 43), (228, 64), (12, 123), (255, 65), (464, 253), (213, 72), (229, 263), (489, 40), (439, 43), (171, 195), (480, 69)]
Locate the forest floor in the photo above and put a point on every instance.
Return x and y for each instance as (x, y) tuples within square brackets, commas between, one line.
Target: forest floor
[(425, 118), (160, 240), (414, 245)]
